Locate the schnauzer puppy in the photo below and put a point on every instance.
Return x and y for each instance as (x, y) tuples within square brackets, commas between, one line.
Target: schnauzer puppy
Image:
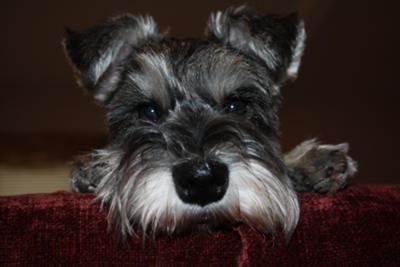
[(194, 140)]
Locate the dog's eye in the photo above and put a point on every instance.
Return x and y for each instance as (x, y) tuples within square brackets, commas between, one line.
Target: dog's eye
[(329, 171), (235, 106), (150, 112)]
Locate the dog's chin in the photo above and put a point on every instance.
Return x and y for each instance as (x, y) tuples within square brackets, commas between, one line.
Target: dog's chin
[(254, 196), (203, 221)]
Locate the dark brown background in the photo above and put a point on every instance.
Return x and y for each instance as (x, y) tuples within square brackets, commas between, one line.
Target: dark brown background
[(347, 89)]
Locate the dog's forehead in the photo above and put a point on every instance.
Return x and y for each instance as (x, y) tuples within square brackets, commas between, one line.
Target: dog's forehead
[(193, 69)]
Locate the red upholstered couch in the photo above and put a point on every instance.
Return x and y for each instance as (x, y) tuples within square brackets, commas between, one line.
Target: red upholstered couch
[(359, 226)]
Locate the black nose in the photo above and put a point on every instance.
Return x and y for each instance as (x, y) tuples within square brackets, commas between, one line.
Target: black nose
[(200, 182)]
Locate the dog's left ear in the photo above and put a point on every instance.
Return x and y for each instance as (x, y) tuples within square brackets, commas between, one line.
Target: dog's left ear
[(277, 41)]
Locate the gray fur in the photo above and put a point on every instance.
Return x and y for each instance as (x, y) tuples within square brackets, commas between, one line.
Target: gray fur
[(320, 168), (173, 103)]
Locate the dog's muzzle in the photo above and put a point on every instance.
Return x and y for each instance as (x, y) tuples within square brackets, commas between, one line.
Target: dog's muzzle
[(200, 182)]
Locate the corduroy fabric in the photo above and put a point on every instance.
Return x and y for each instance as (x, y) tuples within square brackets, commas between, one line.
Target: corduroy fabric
[(359, 226)]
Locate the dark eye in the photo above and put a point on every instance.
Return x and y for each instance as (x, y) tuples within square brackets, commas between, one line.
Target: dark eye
[(235, 106), (150, 112), (329, 171)]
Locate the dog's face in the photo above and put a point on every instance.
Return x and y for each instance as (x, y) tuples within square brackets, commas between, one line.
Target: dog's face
[(193, 123)]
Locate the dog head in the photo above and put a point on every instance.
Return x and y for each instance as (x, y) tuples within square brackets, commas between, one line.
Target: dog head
[(193, 123)]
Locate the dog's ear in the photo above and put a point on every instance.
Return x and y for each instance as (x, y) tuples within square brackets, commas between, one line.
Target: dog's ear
[(97, 53), (277, 41)]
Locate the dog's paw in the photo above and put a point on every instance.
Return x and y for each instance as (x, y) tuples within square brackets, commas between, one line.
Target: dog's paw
[(91, 168), (80, 179), (320, 168), (88, 171)]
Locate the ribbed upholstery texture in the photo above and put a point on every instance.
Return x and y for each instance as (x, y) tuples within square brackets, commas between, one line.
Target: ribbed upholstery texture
[(359, 226)]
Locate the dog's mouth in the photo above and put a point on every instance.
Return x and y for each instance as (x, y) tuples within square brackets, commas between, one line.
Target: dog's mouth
[(203, 220), (207, 221)]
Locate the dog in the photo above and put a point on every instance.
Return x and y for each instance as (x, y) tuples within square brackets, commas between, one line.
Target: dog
[(194, 127)]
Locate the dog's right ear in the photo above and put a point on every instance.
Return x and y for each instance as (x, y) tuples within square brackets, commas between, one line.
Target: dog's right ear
[(96, 54)]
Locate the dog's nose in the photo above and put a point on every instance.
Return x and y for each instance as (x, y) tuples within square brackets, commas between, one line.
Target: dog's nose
[(200, 182)]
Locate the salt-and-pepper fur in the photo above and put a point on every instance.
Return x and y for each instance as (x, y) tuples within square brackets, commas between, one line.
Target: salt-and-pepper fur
[(129, 66)]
